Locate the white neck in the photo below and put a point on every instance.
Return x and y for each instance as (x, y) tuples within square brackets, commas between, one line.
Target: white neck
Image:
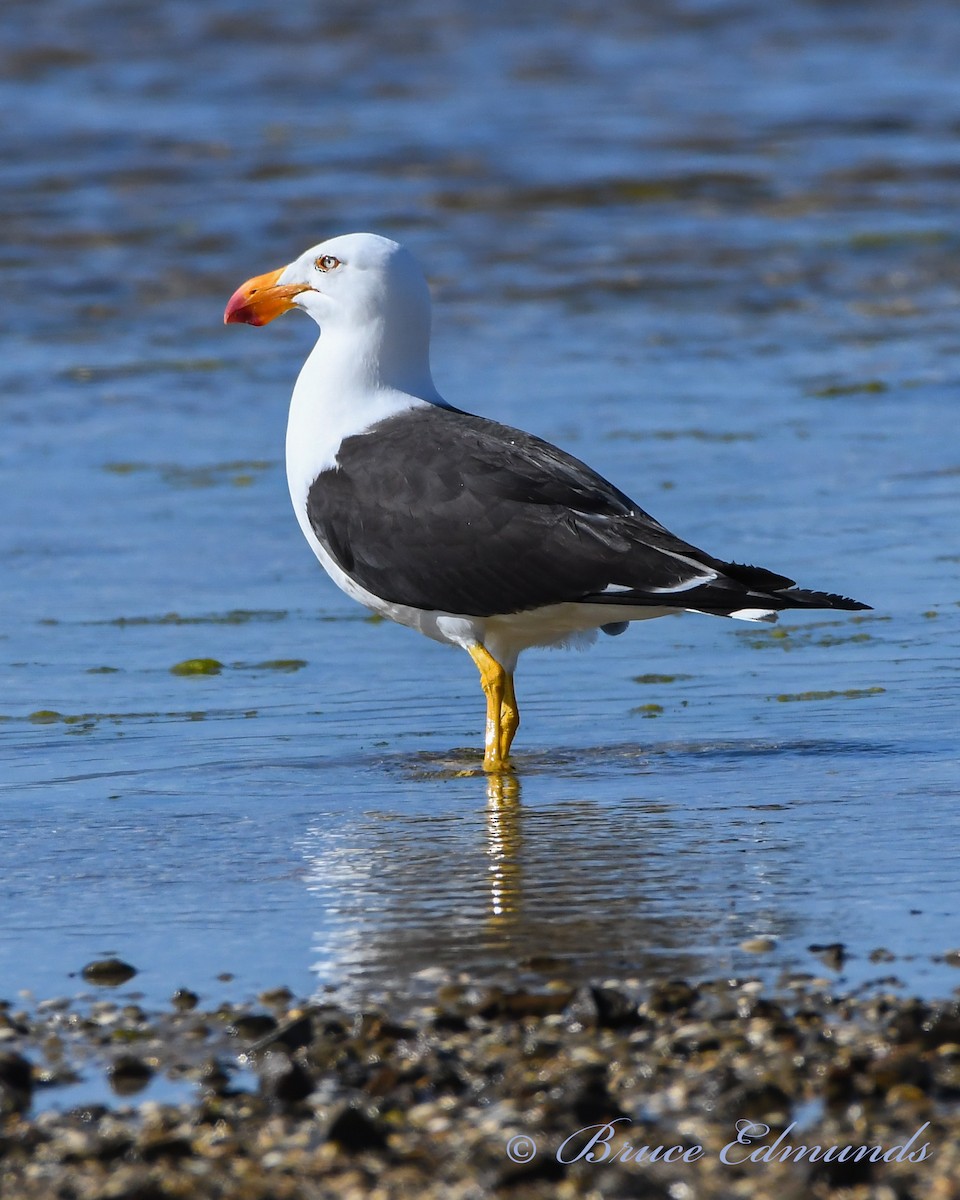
[(349, 382)]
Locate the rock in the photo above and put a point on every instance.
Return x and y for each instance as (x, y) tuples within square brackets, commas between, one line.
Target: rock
[(283, 1078), (614, 1008), (128, 1075), (354, 1131), (108, 972), (16, 1083), (832, 954), (674, 996), (759, 945), (252, 1026), (523, 1003), (292, 1035)]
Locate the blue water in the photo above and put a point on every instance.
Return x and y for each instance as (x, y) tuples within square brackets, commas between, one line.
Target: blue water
[(710, 248)]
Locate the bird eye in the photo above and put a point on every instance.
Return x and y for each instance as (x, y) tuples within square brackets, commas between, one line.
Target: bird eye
[(327, 262)]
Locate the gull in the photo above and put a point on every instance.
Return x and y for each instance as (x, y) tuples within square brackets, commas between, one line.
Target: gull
[(476, 534)]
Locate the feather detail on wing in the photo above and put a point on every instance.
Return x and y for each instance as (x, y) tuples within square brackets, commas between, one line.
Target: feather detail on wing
[(441, 510)]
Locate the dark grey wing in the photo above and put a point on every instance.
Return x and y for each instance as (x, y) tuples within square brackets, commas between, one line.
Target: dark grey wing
[(442, 510)]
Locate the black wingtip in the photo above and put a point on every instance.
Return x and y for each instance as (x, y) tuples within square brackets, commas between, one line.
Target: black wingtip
[(801, 598), (782, 587), (756, 577)]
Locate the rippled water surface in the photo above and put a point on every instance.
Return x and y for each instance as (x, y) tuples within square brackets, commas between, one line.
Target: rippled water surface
[(710, 247)]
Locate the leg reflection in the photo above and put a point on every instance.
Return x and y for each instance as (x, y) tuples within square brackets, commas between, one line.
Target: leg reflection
[(504, 845)]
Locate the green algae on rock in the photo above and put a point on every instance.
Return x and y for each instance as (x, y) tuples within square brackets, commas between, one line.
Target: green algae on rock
[(846, 694), (197, 666), (653, 678)]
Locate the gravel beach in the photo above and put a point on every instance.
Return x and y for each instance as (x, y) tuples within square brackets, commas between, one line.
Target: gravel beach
[(535, 1089)]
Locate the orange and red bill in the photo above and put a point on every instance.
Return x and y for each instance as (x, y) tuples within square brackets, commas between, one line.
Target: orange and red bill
[(261, 299)]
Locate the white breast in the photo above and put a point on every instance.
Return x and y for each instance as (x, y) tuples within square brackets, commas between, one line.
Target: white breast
[(324, 410), (327, 407)]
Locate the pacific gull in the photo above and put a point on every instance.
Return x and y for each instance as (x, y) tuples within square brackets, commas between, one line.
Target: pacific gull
[(476, 534)]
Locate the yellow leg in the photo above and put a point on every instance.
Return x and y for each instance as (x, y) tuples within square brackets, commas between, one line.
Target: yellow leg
[(502, 715), (509, 716)]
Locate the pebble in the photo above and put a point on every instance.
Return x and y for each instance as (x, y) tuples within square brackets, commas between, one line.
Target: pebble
[(386, 1103), (128, 1075), (108, 972), (759, 945), (16, 1083)]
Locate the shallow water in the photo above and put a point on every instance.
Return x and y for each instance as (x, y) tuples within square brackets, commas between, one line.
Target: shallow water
[(712, 249)]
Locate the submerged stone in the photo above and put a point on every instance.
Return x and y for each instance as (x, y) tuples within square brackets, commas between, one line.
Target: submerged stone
[(108, 972)]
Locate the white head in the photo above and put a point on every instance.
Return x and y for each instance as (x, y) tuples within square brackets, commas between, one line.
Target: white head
[(367, 294)]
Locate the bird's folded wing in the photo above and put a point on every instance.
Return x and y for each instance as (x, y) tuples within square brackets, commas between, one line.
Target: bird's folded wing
[(442, 510)]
